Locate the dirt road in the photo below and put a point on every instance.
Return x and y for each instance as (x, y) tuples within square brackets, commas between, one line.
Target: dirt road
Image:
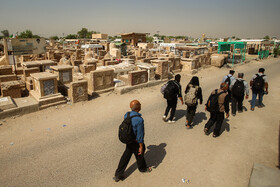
[(77, 145)]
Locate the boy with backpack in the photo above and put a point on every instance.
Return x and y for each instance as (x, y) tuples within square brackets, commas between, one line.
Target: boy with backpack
[(238, 87), (171, 93), (217, 104), (193, 92), (228, 79), (258, 83), (131, 132)]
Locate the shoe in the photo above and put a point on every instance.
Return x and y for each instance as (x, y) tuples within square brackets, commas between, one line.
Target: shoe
[(164, 118), (252, 109), (171, 121), (240, 111), (186, 123), (117, 179), (206, 131), (215, 135), (148, 170), (233, 114), (189, 126), (260, 106)]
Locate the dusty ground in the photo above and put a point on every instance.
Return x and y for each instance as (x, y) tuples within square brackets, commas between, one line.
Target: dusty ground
[(77, 145)]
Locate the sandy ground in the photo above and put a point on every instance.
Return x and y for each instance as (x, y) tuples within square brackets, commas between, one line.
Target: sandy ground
[(77, 145)]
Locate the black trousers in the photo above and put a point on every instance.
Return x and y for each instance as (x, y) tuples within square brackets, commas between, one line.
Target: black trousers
[(190, 113), (237, 100), (218, 118), (171, 104), (130, 149)]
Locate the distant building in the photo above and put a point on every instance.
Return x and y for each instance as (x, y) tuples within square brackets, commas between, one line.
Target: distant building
[(99, 36), (134, 38)]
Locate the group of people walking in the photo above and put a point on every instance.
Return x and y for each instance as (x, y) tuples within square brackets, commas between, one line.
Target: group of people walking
[(231, 90)]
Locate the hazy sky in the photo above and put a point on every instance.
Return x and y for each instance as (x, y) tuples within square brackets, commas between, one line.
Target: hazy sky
[(215, 18)]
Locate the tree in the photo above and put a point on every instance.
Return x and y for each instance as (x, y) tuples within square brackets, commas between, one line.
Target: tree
[(5, 33), (71, 36), (266, 37), (149, 39), (82, 33), (54, 37), (28, 34)]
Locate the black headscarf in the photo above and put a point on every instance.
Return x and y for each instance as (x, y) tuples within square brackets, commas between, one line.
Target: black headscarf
[(194, 81)]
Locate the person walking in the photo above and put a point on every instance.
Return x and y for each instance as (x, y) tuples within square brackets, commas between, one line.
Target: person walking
[(259, 86), (172, 91), (228, 79), (193, 92), (220, 99), (238, 87), (136, 147)]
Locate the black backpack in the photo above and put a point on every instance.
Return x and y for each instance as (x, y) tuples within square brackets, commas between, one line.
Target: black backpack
[(212, 104), (258, 83), (171, 90), (126, 134), (238, 88), (228, 80)]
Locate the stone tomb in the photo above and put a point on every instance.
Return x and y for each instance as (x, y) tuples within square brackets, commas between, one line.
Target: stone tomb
[(137, 77), (30, 64), (162, 68), (64, 73), (100, 80), (7, 103), (46, 64), (189, 64), (78, 91), (45, 90), (6, 70), (28, 71), (149, 68), (87, 68), (12, 88)]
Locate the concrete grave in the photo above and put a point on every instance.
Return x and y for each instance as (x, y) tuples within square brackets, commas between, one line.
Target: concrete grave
[(137, 77), (149, 68), (28, 71), (100, 80), (30, 64), (189, 64), (162, 68), (12, 88), (64, 73), (46, 64), (87, 68), (78, 91), (7, 103), (218, 60), (6, 70), (45, 90), (6, 78)]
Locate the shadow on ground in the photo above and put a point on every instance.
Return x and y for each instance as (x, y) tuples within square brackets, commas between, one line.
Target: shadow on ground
[(225, 127), (154, 156), (198, 118)]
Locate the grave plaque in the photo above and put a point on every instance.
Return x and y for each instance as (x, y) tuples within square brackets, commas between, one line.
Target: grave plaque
[(48, 87), (80, 91), (66, 76)]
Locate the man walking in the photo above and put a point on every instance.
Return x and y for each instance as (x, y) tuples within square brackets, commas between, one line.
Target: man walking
[(258, 83), (228, 79), (238, 87), (220, 98), (171, 92), (137, 147)]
